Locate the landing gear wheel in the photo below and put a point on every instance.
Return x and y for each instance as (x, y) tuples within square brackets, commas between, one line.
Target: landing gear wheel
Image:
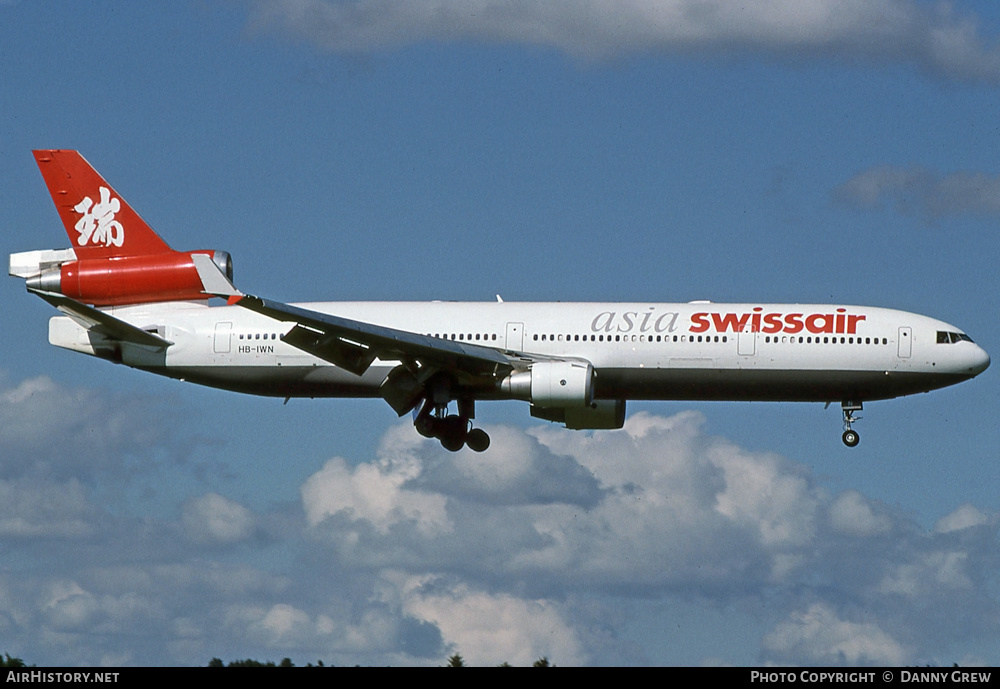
[(425, 426), (452, 430), (453, 433), (477, 440), (452, 444), (848, 407)]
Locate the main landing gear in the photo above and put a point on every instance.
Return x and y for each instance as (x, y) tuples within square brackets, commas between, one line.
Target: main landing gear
[(453, 430), (850, 437)]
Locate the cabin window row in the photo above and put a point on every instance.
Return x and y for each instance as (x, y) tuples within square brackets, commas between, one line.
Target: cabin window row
[(258, 336), (466, 337), (548, 337), (826, 340)]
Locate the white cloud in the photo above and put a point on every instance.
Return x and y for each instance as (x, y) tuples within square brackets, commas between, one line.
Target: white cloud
[(52, 431), (934, 38), (853, 515), (919, 191), (38, 509), (532, 548), (819, 636), (928, 573), (374, 493), (284, 625), (490, 628), (767, 495), (68, 607), (673, 512), (516, 470), (965, 517), (658, 504), (213, 518)]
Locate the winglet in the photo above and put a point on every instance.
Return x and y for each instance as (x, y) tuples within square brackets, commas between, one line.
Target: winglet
[(213, 281)]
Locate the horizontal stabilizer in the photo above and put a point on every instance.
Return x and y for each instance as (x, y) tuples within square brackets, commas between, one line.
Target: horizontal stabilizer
[(102, 323)]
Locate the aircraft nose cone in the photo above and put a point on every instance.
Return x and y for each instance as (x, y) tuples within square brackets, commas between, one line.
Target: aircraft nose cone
[(980, 361)]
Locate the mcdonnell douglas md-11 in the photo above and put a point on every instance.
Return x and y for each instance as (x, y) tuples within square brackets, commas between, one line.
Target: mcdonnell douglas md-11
[(129, 298)]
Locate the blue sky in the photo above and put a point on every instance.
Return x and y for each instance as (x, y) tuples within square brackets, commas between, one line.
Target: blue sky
[(810, 151)]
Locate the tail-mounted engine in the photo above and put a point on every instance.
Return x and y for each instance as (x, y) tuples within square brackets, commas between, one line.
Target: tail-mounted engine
[(117, 280)]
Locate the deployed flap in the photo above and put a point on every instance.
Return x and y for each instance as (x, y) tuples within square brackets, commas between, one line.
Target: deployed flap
[(101, 322), (352, 357)]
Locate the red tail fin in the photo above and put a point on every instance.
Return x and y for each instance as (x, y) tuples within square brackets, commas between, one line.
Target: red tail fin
[(100, 224)]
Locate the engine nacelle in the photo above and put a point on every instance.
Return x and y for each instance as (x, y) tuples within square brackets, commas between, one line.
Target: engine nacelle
[(598, 415), (119, 280), (563, 392), (553, 384)]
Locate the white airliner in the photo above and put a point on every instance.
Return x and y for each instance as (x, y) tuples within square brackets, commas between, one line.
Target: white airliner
[(129, 298)]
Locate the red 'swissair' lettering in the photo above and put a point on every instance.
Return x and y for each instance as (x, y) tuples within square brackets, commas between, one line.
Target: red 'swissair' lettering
[(841, 322)]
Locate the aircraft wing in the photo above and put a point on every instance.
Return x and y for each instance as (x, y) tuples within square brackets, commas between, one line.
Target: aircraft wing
[(354, 344), (351, 344), (102, 323)]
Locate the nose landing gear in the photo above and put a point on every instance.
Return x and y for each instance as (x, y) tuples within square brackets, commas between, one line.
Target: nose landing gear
[(850, 437)]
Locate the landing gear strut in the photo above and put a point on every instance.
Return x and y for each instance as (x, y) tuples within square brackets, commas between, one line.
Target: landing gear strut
[(453, 430), (850, 437)]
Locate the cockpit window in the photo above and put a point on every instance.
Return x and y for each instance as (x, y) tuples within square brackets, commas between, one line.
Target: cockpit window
[(944, 337)]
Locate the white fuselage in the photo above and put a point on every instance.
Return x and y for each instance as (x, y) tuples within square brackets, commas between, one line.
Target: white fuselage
[(639, 351), (576, 364)]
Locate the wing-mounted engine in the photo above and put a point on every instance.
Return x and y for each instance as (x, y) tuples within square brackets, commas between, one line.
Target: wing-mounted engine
[(563, 383), (117, 280), (563, 392)]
